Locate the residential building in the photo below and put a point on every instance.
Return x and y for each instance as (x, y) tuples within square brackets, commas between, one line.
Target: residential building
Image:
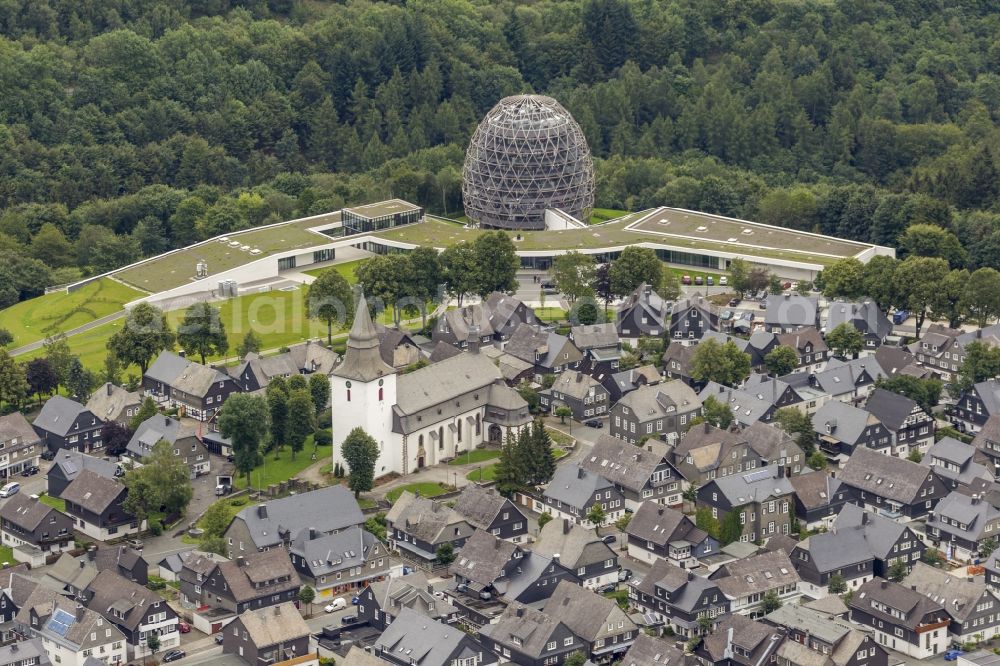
[(810, 348), (95, 503), (183, 439), (198, 391), (642, 314), (70, 633), (114, 404), (762, 500), (417, 527), (584, 395), (573, 492), (818, 499), (486, 509), (398, 347), (893, 487), (124, 561), (599, 344), (912, 428), (528, 637), (786, 313), (663, 411), (506, 313), (865, 316), (137, 611), (67, 465), (545, 349), (678, 598), (334, 564), (382, 601), (992, 566), (779, 393), (277, 522), (250, 582), (651, 650), (746, 582), (691, 317), (24, 653), (69, 576), (706, 452), (626, 381), (959, 465), (988, 442), (677, 361), (976, 405), (740, 641), (35, 531), (901, 618), (606, 630), (657, 532), (843, 429), (970, 605), (469, 322), (413, 638), (20, 445), (815, 638), (270, 637), (66, 424), (942, 350), (580, 550), (256, 372), (640, 473), (960, 525)]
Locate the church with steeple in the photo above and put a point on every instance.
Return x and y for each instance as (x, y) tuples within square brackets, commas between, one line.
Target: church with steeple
[(424, 417)]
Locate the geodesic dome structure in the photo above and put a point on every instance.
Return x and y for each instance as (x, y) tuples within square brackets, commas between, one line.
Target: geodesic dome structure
[(527, 155)]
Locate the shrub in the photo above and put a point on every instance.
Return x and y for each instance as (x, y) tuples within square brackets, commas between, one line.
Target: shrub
[(323, 437)]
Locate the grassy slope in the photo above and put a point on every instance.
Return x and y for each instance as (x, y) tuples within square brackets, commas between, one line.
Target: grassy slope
[(346, 269), (32, 320)]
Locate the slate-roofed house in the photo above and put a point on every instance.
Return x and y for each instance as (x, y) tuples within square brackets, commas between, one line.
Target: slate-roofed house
[(889, 541), (958, 464), (902, 619), (843, 429), (112, 403), (418, 526), (34, 530), (677, 359), (182, 438), (580, 550), (818, 499), (815, 638), (642, 314), (69, 576), (762, 498), (790, 312), (706, 452), (269, 637), (640, 473), (894, 487), (604, 627), (810, 348), (180, 382), (66, 424), (747, 581), (334, 564), (911, 427), (20, 443), (662, 410), (972, 607), (677, 597), (456, 327), (545, 349), (398, 348), (249, 582), (657, 532), (740, 641), (778, 392), (573, 491), (865, 316), (506, 313), (988, 442), (503, 570), (599, 343), (24, 653), (992, 566), (126, 562), (651, 651), (528, 637), (67, 465), (691, 317), (746, 407), (71, 634), (626, 381), (976, 405), (256, 371), (486, 509), (960, 524), (95, 503), (413, 638), (585, 396), (137, 612), (277, 522), (381, 601)]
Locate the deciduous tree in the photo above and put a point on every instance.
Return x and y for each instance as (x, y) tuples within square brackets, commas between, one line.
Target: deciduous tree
[(496, 263), (360, 452), (635, 266), (720, 362), (574, 274), (330, 300), (143, 335), (845, 340), (781, 360), (301, 420), (245, 421), (202, 331)]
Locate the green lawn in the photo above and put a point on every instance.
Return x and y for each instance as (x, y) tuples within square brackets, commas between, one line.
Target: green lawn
[(34, 319), (487, 473), (559, 438), (604, 214), (231, 511), (550, 314), (284, 468), (477, 456), (7, 555), (346, 269), (426, 489), (56, 503)]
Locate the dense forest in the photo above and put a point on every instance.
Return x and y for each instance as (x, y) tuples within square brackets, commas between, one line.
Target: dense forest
[(128, 127)]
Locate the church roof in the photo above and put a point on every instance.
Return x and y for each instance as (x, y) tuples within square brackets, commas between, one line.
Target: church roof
[(362, 359)]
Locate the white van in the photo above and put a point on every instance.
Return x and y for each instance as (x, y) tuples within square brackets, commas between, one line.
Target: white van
[(11, 488), (336, 605)]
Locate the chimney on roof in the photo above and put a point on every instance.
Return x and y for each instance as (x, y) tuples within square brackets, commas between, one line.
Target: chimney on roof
[(975, 498), (707, 427), (473, 339), (79, 612), (864, 518), (690, 575), (13, 647), (312, 533), (580, 473), (277, 611), (659, 510), (566, 526), (83, 564), (166, 420), (781, 471), (913, 587), (884, 584), (788, 296), (555, 557), (241, 561), (262, 511), (520, 611), (92, 553), (109, 386)]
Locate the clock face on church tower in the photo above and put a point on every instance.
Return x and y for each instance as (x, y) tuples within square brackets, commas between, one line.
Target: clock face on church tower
[(381, 381), (347, 384)]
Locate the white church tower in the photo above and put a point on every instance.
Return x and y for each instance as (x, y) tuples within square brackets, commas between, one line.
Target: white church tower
[(363, 392)]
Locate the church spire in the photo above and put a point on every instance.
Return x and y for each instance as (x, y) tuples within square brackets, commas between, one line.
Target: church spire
[(362, 359)]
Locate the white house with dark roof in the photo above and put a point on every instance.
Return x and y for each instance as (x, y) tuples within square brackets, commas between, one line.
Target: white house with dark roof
[(66, 424), (912, 428), (114, 403), (960, 525), (20, 445), (865, 316), (423, 417), (572, 493), (198, 389)]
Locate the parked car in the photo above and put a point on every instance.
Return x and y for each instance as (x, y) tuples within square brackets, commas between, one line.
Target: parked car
[(594, 423), (763, 304), (355, 600), (710, 280), (184, 627), (219, 638), (686, 279), (48, 455), (223, 489), (174, 655), (952, 655), (723, 281), (10, 489), (899, 316), (733, 302), (610, 587), (786, 285), (549, 288), (609, 539), (624, 575), (30, 471), (134, 544), (726, 315), (699, 280), (335, 605), (349, 619)]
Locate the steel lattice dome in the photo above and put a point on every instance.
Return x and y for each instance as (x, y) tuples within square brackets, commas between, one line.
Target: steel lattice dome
[(527, 155)]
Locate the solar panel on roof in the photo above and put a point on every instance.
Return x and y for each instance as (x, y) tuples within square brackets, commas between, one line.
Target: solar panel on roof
[(759, 475), (61, 621)]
